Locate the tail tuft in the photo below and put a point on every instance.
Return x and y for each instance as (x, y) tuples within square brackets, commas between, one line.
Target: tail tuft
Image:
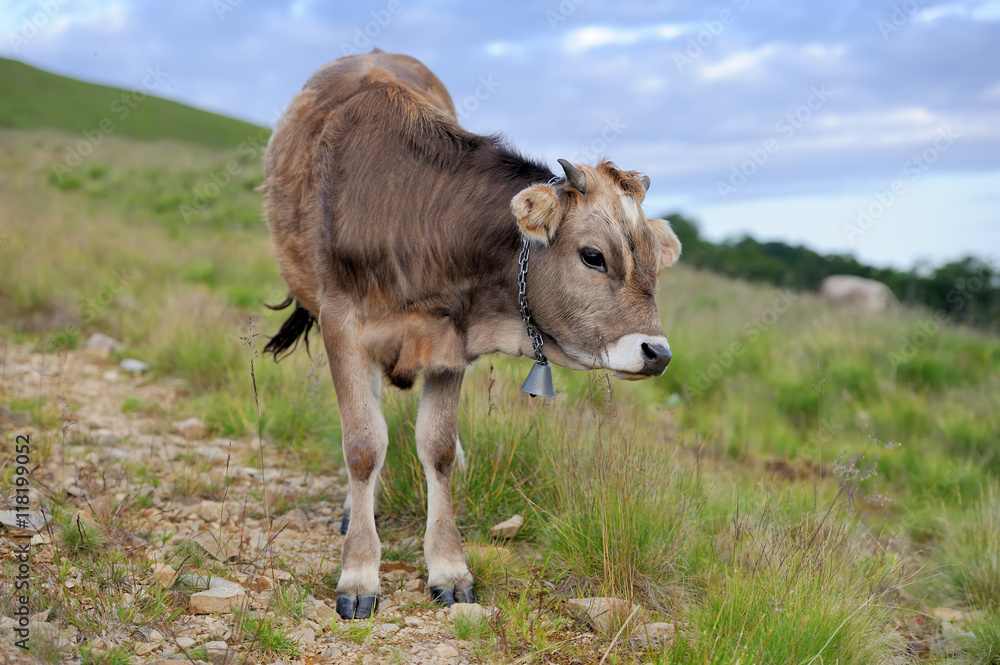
[(297, 325)]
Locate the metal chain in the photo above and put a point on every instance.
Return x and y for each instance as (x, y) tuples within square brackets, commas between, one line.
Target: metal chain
[(522, 301)]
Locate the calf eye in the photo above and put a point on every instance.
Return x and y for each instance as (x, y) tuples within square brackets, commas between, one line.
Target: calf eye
[(593, 259)]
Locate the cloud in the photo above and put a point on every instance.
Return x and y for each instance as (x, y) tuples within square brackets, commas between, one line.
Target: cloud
[(596, 36), (741, 63)]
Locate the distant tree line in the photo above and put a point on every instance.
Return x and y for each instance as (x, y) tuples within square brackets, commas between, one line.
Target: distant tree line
[(967, 289)]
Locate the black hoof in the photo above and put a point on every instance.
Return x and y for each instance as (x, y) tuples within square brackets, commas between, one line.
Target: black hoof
[(450, 596), (443, 596), (466, 595), (367, 607), (344, 523), (356, 607)]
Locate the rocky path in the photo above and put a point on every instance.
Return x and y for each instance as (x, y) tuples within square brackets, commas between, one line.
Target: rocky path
[(193, 513)]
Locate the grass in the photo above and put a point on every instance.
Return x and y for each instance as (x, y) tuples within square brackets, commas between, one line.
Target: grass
[(984, 648), (971, 554), (469, 628), (359, 632), (112, 656), (265, 636), (82, 538), (786, 589), (744, 496), (135, 405)]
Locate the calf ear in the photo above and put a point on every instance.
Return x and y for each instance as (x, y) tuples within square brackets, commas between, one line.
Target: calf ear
[(670, 246), (538, 212)]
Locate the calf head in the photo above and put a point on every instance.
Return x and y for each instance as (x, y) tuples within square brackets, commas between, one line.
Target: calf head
[(592, 283)]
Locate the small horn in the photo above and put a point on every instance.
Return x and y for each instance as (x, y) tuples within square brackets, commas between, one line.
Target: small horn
[(645, 182), (574, 176)]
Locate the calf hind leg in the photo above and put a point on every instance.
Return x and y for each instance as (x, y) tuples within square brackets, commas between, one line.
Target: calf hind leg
[(345, 519), (448, 577), (365, 441)]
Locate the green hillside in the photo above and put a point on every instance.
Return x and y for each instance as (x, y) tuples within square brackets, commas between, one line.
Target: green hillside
[(34, 99)]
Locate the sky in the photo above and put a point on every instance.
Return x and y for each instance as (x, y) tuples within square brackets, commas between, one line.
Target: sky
[(869, 127)]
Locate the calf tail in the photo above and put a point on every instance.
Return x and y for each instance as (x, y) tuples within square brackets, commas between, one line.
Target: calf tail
[(295, 326)]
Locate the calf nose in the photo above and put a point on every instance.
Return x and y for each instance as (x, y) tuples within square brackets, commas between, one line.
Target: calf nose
[(656, 356)]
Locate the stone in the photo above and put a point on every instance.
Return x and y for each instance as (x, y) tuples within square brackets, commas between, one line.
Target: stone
[(213, 511), (144, 648), (194, 581), (602, 613), (331, 653), (263, 583), (322, 612), (219, 652), (952, 633), (18, 523), (184, 642), (155, 636), (220, 550), (279, 575), (446, 651), (509, 528), (49, 633), (212, 454), (134, 366), (101, 345), (471, 611), (191, 429), (304, 635), (948, 614), (652, 633), (164, 574), (221, 596), (294, 520), (41, 539), (413, 622)]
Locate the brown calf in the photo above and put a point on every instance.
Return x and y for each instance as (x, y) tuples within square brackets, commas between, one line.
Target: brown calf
[(399, 233)]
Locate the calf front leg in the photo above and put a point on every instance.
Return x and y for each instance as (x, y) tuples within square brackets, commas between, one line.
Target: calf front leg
[(365, 439), (448, 577)]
